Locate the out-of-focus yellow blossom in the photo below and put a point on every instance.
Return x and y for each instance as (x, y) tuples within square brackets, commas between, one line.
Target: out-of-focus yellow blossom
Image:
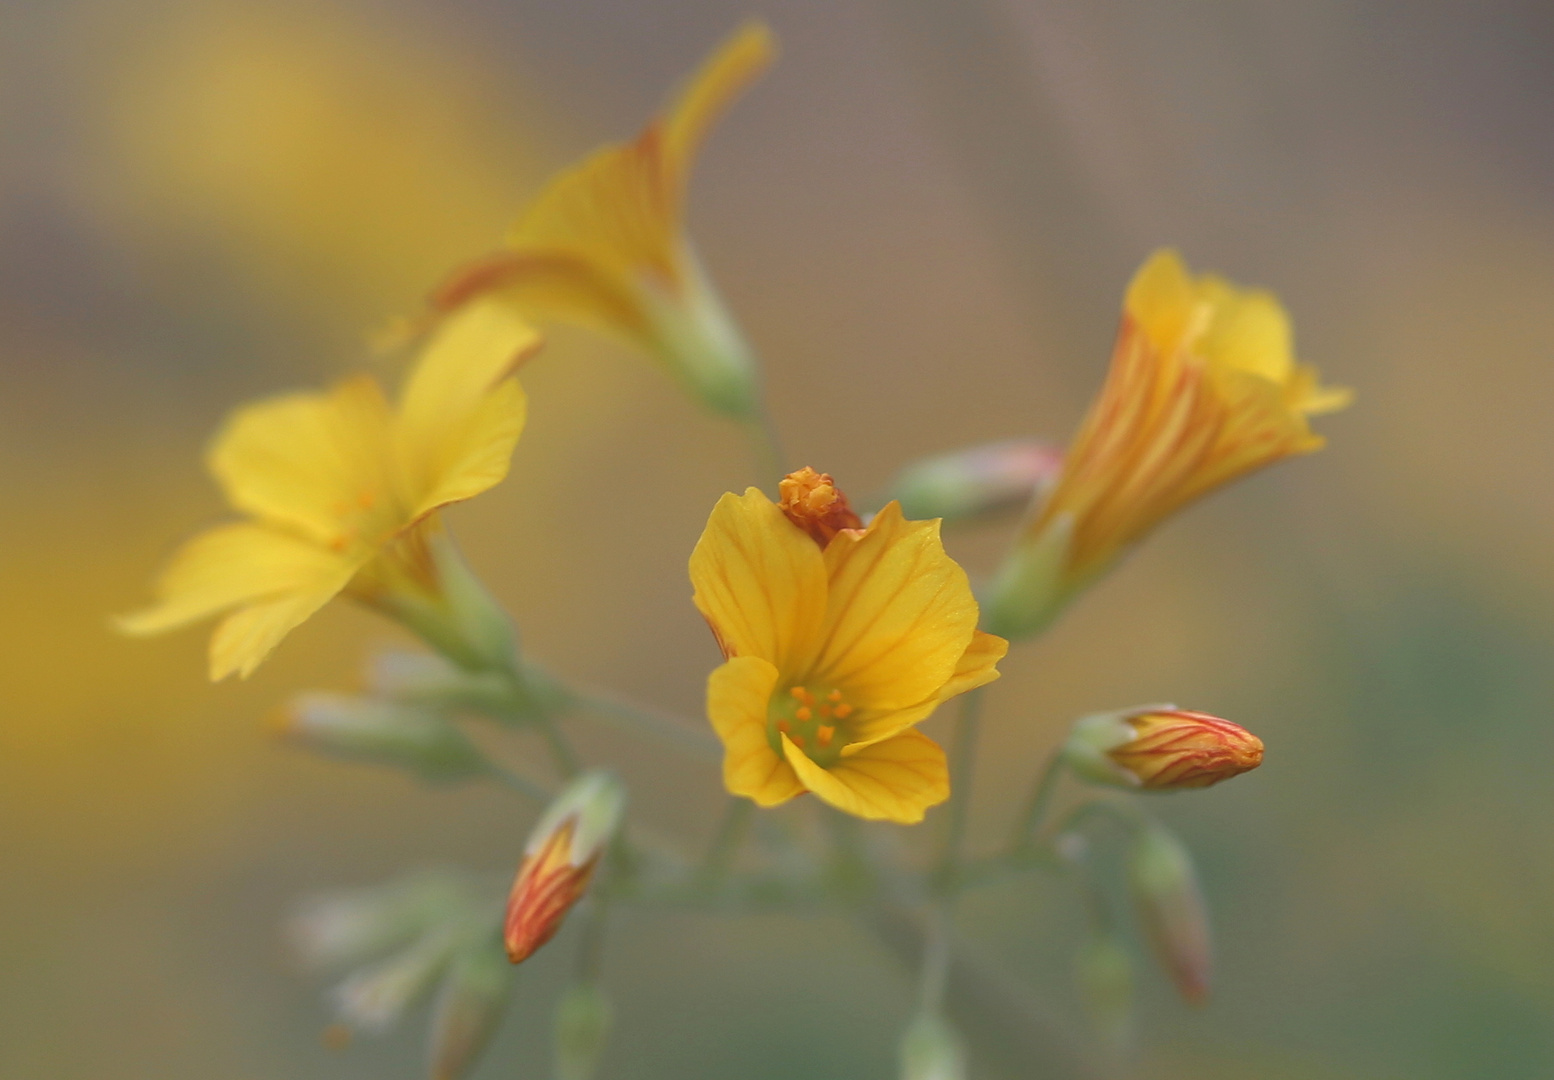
[(836, 643), (1204, 388), (341, 490), (605, 246)]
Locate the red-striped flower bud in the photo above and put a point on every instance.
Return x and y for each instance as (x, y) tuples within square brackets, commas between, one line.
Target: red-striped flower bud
[(1161, 748), (559, 862)]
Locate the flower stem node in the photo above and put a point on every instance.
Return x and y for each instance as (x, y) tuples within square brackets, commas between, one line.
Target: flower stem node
[(1160, 748), (1170, 906), (559, 861), (978, 481), (583, 1021)]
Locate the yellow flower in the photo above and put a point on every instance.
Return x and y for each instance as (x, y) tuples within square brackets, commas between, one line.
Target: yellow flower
[(604, 245), (834, 650), (341, 490), (1204, 388)]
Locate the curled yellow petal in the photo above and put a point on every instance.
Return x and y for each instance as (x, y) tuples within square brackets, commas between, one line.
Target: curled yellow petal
[(738, 62), (893, 780), (737, 697)]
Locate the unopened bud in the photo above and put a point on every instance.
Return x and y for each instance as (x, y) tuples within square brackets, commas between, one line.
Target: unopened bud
[(930, 1050), (340, 929), (344, 726), (978, 480), (560, 859), (1171, 908), (583, 1021), (1160, 748), (812, 501), (373, 998), (469, 1009), (1103, 970)]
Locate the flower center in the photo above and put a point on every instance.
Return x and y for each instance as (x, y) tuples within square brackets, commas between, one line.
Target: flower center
[(814, 718)]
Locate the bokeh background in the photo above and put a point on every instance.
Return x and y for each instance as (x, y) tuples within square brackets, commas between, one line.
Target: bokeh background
[(925, 218)]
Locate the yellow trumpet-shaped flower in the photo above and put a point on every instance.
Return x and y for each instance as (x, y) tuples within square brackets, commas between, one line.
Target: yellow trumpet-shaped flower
[(341, 490), (604, 245), (1204, 388), (837, 641)]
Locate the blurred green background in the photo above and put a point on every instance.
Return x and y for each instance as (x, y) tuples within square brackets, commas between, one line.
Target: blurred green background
[(925, 218)]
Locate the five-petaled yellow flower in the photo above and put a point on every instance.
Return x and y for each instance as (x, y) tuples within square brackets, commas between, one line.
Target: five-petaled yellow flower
[(604, 245), (1204, 388), (837, 640), (341, 490)]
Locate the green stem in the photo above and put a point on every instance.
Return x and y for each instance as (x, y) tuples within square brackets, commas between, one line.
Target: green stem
[(637, 718), (767, 443), (963, 750), (521, 784), (1037, 805), (737, 816)]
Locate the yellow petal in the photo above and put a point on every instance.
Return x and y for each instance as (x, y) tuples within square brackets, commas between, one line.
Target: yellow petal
[(977, 667), (737, 696), (1163, 299), (738, 62), (555, 283), (899, 616), (246, 637), (232, 565), (315, 462), (760, 582), (894, 780), (1249, 331), (461, 414)]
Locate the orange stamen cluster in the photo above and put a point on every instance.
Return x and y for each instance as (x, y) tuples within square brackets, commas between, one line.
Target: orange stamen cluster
[(812, 501), (811, 721)]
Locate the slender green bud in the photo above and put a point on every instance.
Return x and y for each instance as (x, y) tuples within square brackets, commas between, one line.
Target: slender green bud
[(583, 1021), (469, 1008), (1171, 908), (422, 740), (374, 998), (475, 618), (341, 929), (1103, 970), (930, 1050), (977, 481)]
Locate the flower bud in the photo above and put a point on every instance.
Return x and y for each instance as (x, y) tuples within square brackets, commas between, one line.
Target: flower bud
[(340, 929), (812, 501), (469, 1009), (1171, 908), (1103, 970), (560, 859), (423, 741), (977, 480), (931, 1051), (583, 1021), (373, 998), (1160, 748)]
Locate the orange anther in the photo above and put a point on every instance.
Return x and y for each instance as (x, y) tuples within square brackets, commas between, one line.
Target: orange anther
[(825, 711), (843, 711), (825, 734), (835, 695), (802, 713), (802, 694), (784, 727), (797, 740)]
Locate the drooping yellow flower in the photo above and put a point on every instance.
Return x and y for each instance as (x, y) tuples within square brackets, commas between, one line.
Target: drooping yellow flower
[(1204, 388), (604, 245), (836, 643), (341, 490)]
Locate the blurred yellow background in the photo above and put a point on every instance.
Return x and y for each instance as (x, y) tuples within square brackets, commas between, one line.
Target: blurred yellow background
[(925, 218)]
